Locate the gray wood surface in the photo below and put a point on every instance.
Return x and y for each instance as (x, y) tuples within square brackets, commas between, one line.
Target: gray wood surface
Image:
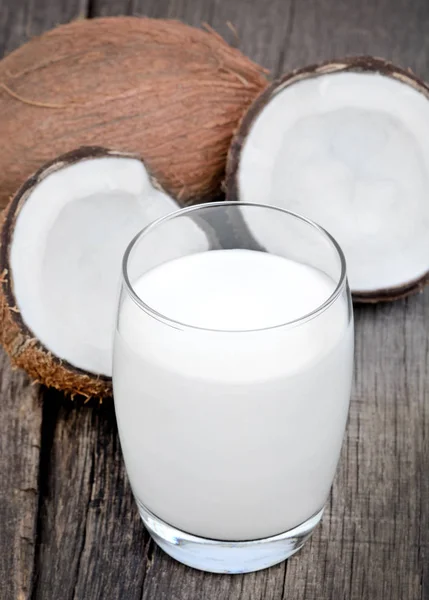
[(20, 401), (68, 527), (20, 444)]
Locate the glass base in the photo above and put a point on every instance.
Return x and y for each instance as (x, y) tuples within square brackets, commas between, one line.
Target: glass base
[(216, 556)]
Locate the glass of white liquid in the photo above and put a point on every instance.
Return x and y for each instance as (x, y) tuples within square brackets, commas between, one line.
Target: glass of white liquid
[(232, 375)]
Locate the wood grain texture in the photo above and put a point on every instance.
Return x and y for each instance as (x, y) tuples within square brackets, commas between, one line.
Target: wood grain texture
[(20, 442), (21, 20), (20, 401), (372, 537), (92, 544), (373, 543), (329, 29)]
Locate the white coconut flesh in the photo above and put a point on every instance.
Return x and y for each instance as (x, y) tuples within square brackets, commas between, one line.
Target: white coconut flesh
[(67, 249), (350, 151)]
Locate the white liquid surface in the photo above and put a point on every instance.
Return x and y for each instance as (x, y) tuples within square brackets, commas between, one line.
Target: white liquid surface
[(235, 434)]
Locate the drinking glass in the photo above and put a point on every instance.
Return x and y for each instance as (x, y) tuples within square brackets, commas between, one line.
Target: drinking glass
[(231, 434)]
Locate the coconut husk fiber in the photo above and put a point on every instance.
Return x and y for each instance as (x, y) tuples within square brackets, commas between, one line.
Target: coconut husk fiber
[(169, 92)]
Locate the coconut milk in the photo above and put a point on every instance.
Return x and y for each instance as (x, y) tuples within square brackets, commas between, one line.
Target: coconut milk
[(232, 431)]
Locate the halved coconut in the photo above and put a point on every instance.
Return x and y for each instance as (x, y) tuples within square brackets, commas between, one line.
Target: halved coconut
[(346, 144), (62, 242)]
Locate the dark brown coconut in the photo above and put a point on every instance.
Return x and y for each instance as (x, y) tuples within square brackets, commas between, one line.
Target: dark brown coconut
[(26, 351), (169, 92), (361, 64)]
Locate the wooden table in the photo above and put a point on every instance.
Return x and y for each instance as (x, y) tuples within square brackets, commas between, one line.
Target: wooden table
[(69, 529)]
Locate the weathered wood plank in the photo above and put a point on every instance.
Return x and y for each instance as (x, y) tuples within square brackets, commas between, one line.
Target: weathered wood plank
[(111, 8), (92, 544), (262, 29), (371, 541), (20, 20), (20, 440), (168, 580), (285, 34), (20, 401), (326, 29)]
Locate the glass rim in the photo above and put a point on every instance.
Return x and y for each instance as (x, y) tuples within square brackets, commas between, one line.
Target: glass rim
[(223, 204)]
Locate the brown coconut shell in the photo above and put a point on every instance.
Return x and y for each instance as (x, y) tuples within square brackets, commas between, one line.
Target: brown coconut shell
[(390, 294), (356, 64), (169, 92), (24, 348)]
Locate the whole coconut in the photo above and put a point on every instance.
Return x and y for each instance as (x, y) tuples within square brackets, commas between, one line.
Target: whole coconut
[(167, 91)]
